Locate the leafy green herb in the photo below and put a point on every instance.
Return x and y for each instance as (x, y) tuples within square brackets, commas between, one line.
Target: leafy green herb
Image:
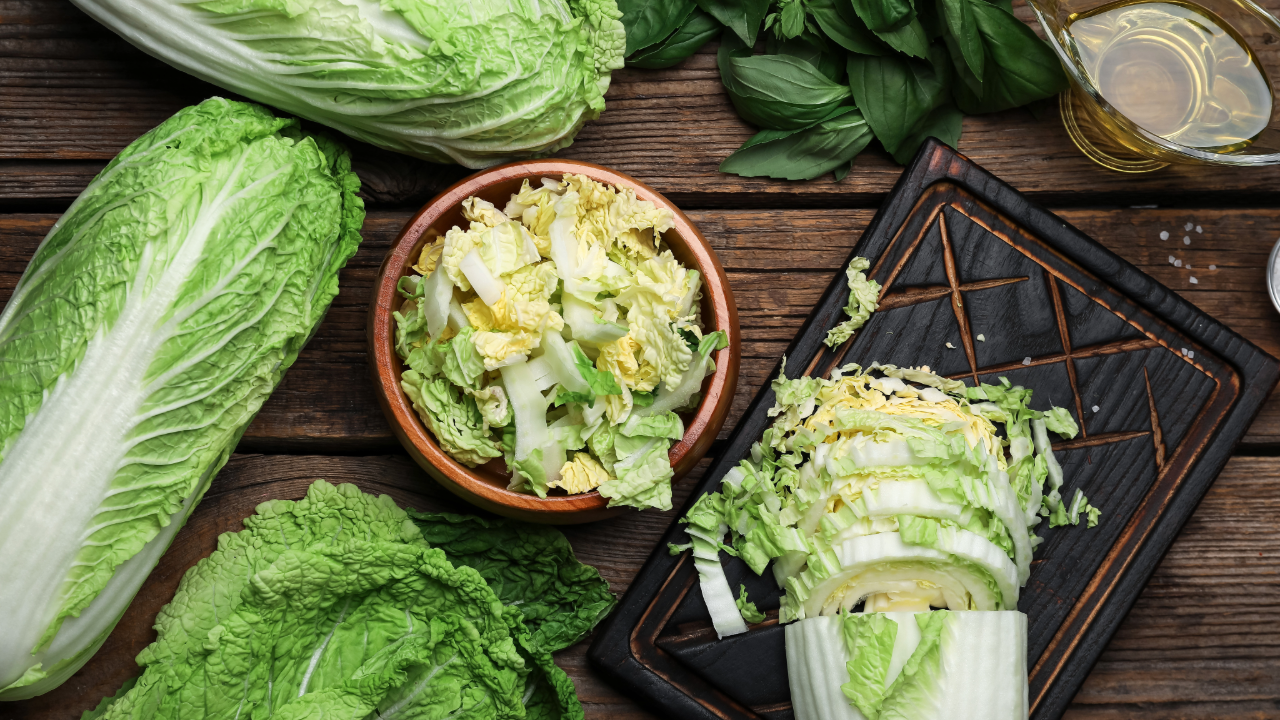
[(913, 69), (692, 34), (777, 92), (1018, 66), (649, 21), (802, 154), (743, 17), (895, 94)]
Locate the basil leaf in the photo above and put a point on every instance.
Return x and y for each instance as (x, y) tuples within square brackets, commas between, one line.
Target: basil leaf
[(802, 154), (776, 92), (964, 31), (685, 41), (910, 39), (1018, 67), (839, 22), (943, 123), (809, 48), (743, 17), (883, 15), (842, 171), (649, 21), (895, 95)]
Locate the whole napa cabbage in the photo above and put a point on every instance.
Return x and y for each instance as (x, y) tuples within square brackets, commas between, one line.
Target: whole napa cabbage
[(474, 83)]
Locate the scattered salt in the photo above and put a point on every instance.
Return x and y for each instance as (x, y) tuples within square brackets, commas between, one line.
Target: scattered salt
[(1095, 408), (1191, 354), (1186, 240), (953, 347), (1184, 352), (1199, 229), (1026, 360), (1188, 227), (1172, 259), (1177, 263), (1164, 234), (982, 338), (1194, 281), (1213, 267)]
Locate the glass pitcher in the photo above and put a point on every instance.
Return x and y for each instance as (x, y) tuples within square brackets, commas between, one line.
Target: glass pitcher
[(1114, 140)]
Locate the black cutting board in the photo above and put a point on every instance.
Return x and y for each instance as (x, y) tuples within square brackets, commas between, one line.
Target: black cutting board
[(961, 254)]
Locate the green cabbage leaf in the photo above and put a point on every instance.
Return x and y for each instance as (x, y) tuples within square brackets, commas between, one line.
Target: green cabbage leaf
[(337, 604)]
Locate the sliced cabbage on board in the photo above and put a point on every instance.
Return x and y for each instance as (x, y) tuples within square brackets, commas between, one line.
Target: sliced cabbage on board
[(474, 83), (939, 665), (890, 489), (341, 604), (148, 329)]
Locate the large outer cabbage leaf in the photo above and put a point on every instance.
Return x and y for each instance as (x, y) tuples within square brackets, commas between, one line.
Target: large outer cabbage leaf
[(152, 323), (506, 594), (474, 83)]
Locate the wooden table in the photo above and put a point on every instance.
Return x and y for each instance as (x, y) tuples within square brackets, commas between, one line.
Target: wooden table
[(1203, 640)]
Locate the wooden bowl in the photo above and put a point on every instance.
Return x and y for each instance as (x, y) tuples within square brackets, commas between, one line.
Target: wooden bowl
[(486, 486)]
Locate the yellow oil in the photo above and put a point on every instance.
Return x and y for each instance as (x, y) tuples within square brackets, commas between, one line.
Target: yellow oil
[(1174, 69)]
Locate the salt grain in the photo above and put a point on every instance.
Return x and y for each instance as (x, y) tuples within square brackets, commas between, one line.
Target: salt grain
[(1184, 352), (1164, 234), (1199, 229), (949, 345), (1213, 267), (1172, 259), (1194, 281), (1191, 354), (1186, 240), (1188, 227), (982, 338), (1026, 360), (1095, 408), (1177, 263)]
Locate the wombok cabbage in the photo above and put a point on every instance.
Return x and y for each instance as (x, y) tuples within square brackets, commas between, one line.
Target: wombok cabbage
[(150, 326), (474, 83)]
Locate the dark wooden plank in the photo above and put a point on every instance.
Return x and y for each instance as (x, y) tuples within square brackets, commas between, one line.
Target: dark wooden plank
[(326, 403), (74, 91), (1202, 641)]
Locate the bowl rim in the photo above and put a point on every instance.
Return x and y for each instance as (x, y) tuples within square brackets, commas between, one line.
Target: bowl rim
[(700, 430)]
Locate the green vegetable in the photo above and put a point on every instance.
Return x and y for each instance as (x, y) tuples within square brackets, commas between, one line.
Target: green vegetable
[(864, 296), (748, 609), (649, 21), (337, 603), (550, 328), (530, 566), (476, 83), (802, 154), (778, 92), (909, 666), (145, 334), (693, 33), (743, 17), (912, 68)]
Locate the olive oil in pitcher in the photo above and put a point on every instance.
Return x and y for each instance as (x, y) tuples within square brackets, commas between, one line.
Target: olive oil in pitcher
[(1174, 69)]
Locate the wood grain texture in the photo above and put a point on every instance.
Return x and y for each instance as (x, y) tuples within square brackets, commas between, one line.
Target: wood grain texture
[(74, 91), (1202, 641), (327, 404)]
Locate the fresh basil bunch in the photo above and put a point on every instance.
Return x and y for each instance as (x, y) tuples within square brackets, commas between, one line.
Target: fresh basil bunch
[(836, 72)]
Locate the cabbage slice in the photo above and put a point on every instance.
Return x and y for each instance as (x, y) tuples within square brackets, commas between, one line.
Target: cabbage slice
[(939, 665)]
